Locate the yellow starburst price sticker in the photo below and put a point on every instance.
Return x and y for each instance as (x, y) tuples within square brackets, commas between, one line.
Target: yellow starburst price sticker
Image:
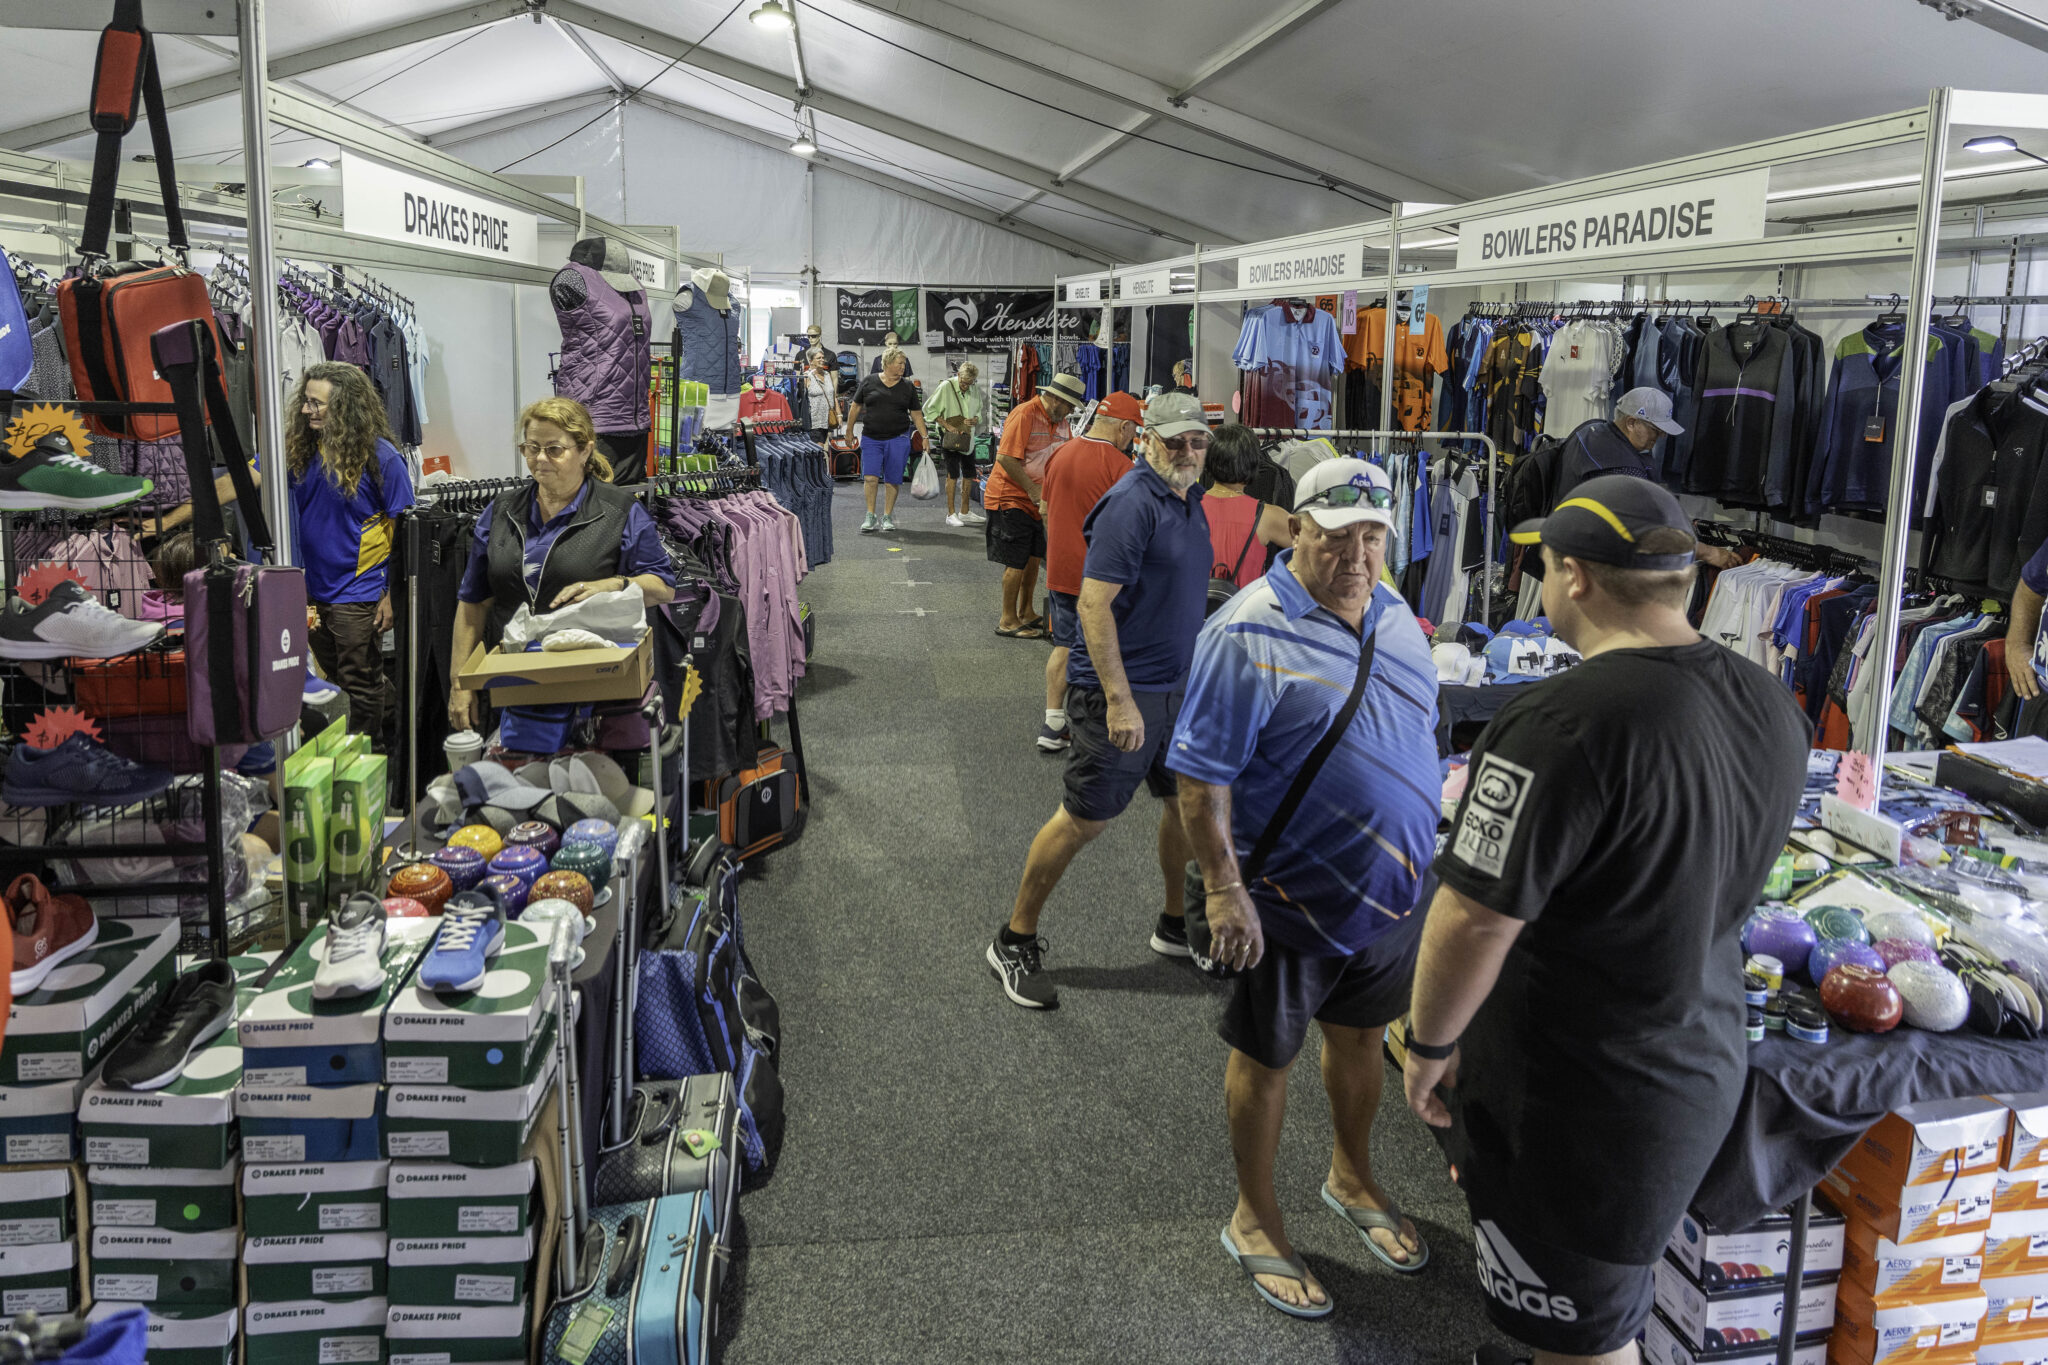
[(40, 420), (693, 688)]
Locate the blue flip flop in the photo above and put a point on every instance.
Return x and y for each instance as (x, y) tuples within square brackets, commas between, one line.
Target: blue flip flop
[(1365, 1220), (1274, 1265)]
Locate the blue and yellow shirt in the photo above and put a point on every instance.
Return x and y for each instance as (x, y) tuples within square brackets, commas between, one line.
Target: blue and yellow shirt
[(343, 540)]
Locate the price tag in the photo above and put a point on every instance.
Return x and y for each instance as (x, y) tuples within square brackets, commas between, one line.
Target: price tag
[(1350, 312), (486, 1288), (1873, 427), (1989, 496)]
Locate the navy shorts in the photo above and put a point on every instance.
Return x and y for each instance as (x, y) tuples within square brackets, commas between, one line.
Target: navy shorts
[(1014, 537), (884, 460), (1101, 779), (1063, 613), (1269, 1012), (1553, 1299)]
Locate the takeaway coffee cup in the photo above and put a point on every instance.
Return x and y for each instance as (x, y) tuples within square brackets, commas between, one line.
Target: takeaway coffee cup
[(464, 747)]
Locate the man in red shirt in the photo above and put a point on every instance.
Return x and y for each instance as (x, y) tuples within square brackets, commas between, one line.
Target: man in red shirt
[(1016, 534), (1076, 474)]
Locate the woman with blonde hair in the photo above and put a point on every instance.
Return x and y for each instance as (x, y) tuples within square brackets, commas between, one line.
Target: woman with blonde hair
[(348, 482), (890, 404), (566, 535), (956, 407)]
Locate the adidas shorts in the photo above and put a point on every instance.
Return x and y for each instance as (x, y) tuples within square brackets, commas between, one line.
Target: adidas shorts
[(1557, 1300)]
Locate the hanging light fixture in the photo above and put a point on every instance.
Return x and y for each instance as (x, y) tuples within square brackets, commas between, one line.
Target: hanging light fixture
[(803, 146), (316, 163), (772, 16)]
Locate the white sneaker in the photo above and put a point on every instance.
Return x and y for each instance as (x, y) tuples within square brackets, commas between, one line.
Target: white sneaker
[(354, 964), (888, 523), (70, 623), (953, 519), (974, 519)]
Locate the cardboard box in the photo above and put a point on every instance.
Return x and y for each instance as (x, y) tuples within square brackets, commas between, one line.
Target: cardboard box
[(2018, 1308), (483, 1127), (37, 1206), (43, 1277), (537, 677), (158, 1197), (182, 1336), (1711, 1319), (155, 1266), (295, 1124), (1890, 1273), (459, 1271), (290, 1039), (431, 1199), (188, 1123), (1760, 1255), (40, 1122), (1915, 1213), (2021, 1191), (1662, 1346), (468, 1335), (1930, 1143), (2034, 1352), (310, 1330), (64, 1029), (305, 1200), (1937, 1331), (331, 1265), (2016, 1244), (360, 791), (307, 814), (2026, 1135), (483, 1040)]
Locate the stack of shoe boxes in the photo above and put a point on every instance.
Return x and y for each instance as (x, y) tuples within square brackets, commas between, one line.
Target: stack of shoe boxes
[(470, 1073), (1720, 1295), (39, 1226), (160, 1175), (1918, 1190), (312, 1108), (2016, 1245)]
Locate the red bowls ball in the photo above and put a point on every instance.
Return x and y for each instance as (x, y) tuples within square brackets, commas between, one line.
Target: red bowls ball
[(1862, 999), (423, 882), (573, 887), (405, 907)]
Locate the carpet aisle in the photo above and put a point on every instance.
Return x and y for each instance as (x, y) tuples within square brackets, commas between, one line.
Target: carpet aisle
[(966, 1181)]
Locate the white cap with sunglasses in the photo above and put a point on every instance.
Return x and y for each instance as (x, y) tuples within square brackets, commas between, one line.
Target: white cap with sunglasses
[(1339, 492)]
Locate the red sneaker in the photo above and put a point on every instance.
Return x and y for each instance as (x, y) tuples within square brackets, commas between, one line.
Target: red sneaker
[(48, 930)]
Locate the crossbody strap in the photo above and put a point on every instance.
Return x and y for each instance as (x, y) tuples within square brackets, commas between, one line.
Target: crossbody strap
[(1249, 870), (1258, 510), (185, 357)]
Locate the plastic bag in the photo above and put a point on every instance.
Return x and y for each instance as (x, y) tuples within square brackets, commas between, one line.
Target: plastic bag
[(924, 484), (620, 617)]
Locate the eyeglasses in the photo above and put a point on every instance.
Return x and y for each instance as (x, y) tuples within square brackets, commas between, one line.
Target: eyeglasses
[(1176, 444), (551, 452), (313, 404), (1350, 495)]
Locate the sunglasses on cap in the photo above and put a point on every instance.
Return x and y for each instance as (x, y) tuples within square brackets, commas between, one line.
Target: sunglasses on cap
[(1351, 495), (1190, 441)]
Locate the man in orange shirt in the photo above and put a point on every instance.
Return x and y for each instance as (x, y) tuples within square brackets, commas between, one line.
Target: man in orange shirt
[(1016, 531), (1076, 474)]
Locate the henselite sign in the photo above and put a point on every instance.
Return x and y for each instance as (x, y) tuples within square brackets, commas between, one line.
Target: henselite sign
[(1144, 284), (382, 201), (1710, 212)]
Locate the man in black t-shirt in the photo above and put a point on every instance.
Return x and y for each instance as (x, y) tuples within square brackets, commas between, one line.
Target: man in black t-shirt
[(1616, 831)]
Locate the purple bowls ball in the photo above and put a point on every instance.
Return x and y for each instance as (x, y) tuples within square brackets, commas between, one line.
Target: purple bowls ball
[(1777, 932), (511, 892), (1897, 950), (535, 834), (1831, 953), (522, 861), (463, 864)]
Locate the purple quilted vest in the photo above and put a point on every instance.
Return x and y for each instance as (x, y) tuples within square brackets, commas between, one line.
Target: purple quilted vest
[(606, 354)]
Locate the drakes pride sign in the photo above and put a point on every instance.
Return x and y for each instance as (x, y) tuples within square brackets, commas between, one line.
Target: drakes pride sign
[(1712, 212), (398, 206), (990, 319)]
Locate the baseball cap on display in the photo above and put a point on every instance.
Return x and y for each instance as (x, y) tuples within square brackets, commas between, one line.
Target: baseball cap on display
[(1123, 407), (1174, 414), (1339, 492), (1653, 406), (492, 784), (1604, 520)]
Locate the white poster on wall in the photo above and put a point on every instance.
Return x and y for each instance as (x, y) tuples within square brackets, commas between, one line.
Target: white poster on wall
[(385, 202), (1296, 269), (1710, 212)]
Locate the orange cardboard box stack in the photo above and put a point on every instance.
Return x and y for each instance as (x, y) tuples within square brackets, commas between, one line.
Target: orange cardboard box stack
[(2016, 1244), (1918, 1191)]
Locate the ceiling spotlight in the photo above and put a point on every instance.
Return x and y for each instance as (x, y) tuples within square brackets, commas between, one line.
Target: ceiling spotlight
[(803, 146), (772, 16), (1996, 142), (316, 163)]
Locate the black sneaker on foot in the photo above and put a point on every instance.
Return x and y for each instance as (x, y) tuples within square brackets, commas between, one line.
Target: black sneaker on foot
[(1170, 937), (1019, 966), (199, 1006), (1493, 1353)]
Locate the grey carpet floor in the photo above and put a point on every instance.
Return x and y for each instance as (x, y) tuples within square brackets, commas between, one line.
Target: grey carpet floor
[(967, 1181)]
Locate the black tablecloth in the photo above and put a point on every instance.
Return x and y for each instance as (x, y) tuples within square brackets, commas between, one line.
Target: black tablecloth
[(1462, 712), (1804, 1106)]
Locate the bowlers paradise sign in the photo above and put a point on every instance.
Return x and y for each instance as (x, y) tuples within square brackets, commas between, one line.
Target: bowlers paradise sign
[(991, 319)]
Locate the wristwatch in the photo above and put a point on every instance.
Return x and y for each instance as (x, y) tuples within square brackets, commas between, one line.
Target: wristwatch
[(1428, 1052)]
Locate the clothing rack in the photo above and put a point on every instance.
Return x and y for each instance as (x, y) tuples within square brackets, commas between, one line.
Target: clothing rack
[(1803, 553)]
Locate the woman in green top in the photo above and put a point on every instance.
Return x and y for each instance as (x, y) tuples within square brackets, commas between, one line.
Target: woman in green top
[(956, 408)]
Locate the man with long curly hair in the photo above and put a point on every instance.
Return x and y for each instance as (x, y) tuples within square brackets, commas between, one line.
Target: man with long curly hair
[(348, 482)]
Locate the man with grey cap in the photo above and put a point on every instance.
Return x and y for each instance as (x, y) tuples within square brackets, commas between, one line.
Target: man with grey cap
[(1578, 1024), (1306, 761)]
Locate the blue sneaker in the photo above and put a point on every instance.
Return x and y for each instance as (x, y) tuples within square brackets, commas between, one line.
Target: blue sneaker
[(1051, 741), (78, 771), (472, 931)]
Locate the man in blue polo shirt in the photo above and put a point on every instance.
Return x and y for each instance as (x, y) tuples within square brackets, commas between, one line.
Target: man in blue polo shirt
[(1311, 870), (1144, 587)]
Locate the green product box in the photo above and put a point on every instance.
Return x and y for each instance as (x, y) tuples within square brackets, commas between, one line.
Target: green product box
[(40, 1122), (291, 1039), (483, 1039), (182, 1336), (177, 1199), (152, 1265), (333, 1265), (62, 1030), (188, 1123), (328, 742), (468, 1335), (308, 820), (37, 1206), (359, 795), (476, 1127), (43, 1277), (305, 1331), (457, 1271), (430, 1199), (306, 1200)]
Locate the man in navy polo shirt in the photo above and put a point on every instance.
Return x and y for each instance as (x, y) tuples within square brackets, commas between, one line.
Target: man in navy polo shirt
[(1314, 905), (1144, 587)]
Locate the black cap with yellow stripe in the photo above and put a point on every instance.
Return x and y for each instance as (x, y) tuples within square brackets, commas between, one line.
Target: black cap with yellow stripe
[(1605, 521)]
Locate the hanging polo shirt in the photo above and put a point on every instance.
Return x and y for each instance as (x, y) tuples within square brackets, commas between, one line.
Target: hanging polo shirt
[(1271, 670), (1154, 544)]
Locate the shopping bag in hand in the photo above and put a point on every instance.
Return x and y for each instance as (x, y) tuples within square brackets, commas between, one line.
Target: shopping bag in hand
[(924, 484)]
